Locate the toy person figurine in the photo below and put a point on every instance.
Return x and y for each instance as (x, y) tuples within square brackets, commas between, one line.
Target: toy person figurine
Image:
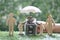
[(10, 22), (40, 28), (20, 27), (49, 24), (30, 19)]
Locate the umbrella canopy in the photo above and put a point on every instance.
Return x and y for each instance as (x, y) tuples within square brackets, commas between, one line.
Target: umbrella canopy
[(29, 9)]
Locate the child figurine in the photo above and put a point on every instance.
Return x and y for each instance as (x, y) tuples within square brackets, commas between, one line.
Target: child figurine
[(49, 24), (20, 27), (40, 28), (10, 22)]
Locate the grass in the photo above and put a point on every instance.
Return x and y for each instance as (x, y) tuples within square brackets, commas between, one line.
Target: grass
[(5, 36)]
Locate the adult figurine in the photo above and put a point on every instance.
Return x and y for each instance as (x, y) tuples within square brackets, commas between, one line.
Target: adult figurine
[(20, 27), (49, 24), (30, 19), (10, 22)]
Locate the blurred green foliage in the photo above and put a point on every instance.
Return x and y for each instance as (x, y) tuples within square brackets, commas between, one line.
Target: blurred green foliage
[(46, 6)]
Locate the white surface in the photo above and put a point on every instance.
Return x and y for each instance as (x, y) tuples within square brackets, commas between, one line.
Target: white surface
[(41, 22), (57, 23)]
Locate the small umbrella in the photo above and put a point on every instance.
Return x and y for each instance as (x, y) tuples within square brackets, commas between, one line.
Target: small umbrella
[(29, 9)]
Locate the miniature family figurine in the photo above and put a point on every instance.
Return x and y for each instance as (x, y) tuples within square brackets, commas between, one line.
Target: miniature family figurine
[(49, 24), (40, 27), (20, 27), (11, 22)]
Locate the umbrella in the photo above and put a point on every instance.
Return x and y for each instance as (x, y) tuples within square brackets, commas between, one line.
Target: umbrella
[(29, 9)]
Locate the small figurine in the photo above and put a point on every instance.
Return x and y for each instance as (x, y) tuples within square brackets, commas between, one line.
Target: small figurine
[(10, 22), (30, 19), (20, 27), (49, 24), (40, 28)]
